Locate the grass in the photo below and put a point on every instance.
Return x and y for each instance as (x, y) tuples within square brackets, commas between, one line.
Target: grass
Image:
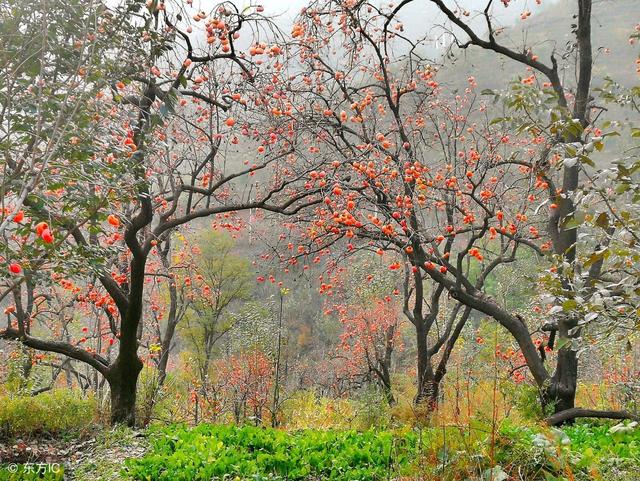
[(336, 440), (57, 412)]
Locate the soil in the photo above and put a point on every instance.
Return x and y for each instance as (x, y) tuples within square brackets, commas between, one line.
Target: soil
[(87, 457)]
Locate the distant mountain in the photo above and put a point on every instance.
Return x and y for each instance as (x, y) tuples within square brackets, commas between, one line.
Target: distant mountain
[(613, 22)]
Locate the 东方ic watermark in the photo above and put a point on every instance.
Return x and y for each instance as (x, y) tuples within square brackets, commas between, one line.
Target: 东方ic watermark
[(34, 468)]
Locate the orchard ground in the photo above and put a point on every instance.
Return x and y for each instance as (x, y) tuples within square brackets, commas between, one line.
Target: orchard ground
[(486, 431)]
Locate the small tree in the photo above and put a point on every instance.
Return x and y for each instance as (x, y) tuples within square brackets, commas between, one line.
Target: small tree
[(245, 381), (218, 281), (364, 300)]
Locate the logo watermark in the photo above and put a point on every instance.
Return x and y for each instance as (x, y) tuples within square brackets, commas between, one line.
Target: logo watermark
[(34, 468)]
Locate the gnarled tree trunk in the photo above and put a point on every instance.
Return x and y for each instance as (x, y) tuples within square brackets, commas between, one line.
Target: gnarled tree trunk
[(561, 390), (427, 387), (123, 381)]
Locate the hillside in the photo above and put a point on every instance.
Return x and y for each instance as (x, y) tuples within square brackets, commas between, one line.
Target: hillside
[(613, 22)]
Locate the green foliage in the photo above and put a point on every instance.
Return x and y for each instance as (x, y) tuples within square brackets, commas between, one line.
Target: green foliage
[(580, 452), (225, 281), (526, 399), (218, 452), (605, 446), (150, 396), (207, 452), (54, 412), (55, 56)]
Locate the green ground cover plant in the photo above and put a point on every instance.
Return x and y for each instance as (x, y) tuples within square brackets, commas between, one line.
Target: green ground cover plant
[(213, 452)]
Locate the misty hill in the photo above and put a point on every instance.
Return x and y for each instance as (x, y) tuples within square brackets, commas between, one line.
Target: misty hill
[(613, 23)]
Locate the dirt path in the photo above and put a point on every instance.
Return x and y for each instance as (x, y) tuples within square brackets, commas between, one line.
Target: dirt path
[(91, 457)]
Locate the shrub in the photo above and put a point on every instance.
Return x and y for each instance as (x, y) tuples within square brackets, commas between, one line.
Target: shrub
[(53, 412), (526, 400)]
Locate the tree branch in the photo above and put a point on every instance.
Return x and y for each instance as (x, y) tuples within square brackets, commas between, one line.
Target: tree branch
[(570, 414)]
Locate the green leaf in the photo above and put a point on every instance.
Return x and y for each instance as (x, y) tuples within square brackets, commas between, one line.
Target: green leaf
[(602, 220), (574, 221)]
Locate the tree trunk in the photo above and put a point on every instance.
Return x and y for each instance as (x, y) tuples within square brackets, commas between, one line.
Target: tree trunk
[(384, 381), (165, 350), (124, 372), (383, 371), (427, 393), (561, 393), (562, 390), (432, 391), (123, 381), (388, 394), (27, 366), (172, 318), (571, 414), (428, 389)]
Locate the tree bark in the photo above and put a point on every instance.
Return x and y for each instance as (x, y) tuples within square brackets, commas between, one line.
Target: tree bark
[(561, 393), (124, 372), (571, 414), (123, 381), (382, 374), (383, 370), (169, 333), (427, 393), (386, 388)]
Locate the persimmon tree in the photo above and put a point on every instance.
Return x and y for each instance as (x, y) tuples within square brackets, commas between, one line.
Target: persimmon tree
[(52, 56), (57, 56), (522, 194), (419, 176), (568, 134), (172, 118), (370, 315), (369, 337), (245, 381)]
